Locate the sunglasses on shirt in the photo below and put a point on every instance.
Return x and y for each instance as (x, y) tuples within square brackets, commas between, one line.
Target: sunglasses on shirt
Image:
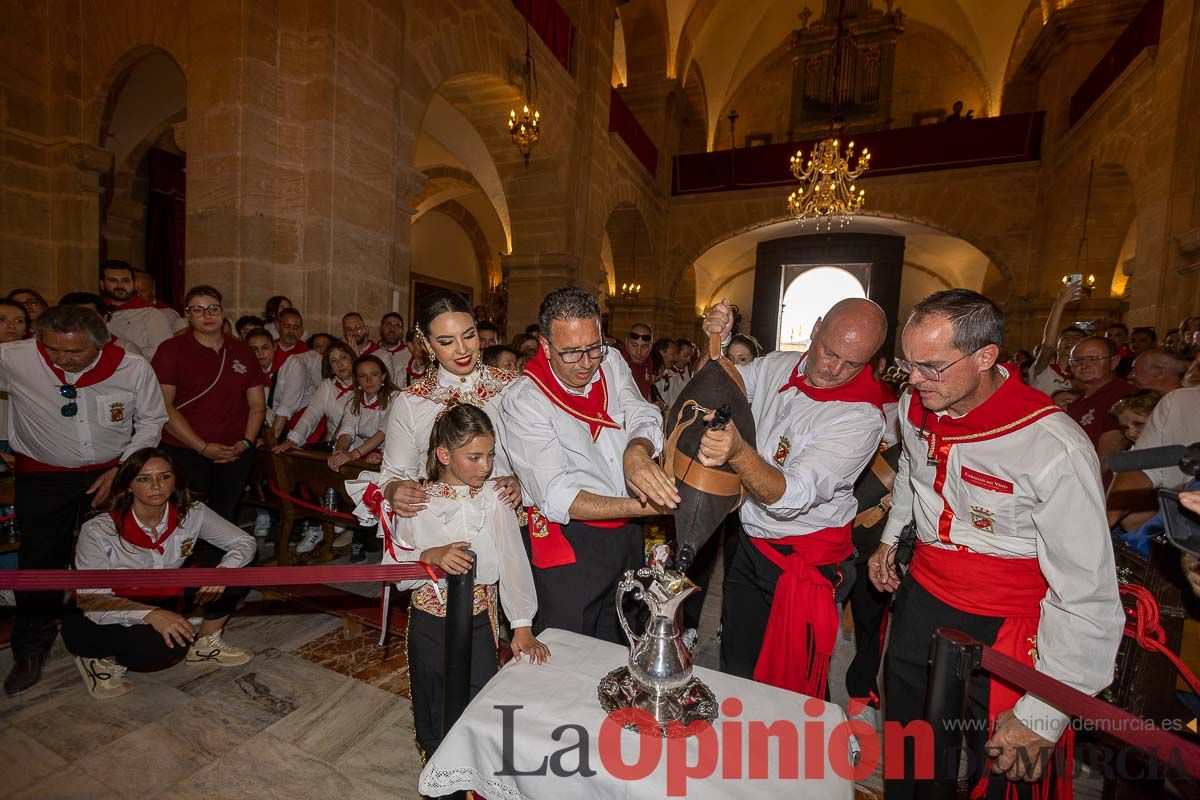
[(69, 393)]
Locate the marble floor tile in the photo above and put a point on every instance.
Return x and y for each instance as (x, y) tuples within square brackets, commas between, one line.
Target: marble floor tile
[(80, 724), (220, 721), (284, 632), (25, 761), (146, 761), (388, 758), (332, 726), (60, 682), (360, 657), (70, 783)]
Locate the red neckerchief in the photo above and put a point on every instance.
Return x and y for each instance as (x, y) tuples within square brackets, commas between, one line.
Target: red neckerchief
[(102, 370), (282, 354), (134, 302), (364, 405), (370, 348), (680, 371), (1013, 406), (1066, 376), (864, 388), (160, 305), (132, 532), (342, 390), (393, 350), (413, 374), (591, 408)]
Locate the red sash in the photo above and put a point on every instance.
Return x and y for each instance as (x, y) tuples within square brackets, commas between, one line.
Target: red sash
[(802, 626), (30, 464), (955, 578), (131, 532), (591, 408), (134, 302), (549, 546)]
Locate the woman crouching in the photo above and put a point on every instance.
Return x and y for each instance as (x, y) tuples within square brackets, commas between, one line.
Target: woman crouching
[(151, 523)]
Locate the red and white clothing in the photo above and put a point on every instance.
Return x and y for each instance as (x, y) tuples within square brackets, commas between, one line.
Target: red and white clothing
[(119, 402), (407, 444), (326, 408), (670, 386), (102, 546), (1175, 420), (643, 373), (141, 323), (397, 360), (1092, 411), (282, 355), (295, 383), (1051, 379), (210, 385), (174, 318), (365, 421), (1015, 478)]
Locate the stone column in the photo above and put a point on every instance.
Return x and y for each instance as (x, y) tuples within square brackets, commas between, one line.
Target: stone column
[(75, 174), (530, 279)]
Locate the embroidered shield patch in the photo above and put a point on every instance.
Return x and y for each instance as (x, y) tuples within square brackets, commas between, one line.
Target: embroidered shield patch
[(116, 412), (982, 519), (238, 367), (781, 452), (185, 547)]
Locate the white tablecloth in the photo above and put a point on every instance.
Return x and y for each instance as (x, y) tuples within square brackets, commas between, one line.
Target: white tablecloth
[(563, 692)]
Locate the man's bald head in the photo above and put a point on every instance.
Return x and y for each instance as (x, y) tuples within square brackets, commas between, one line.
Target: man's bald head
[(844, 341), (1159, 370)]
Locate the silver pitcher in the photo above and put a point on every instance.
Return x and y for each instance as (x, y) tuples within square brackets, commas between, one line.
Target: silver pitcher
[(659, 663)]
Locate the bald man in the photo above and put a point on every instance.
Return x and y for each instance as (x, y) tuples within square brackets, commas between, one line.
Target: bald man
[(1159, 370), (819, 419)]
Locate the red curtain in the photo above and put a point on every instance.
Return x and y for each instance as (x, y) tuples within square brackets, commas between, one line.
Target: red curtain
[(166, 219), (622, 122), (551, 23), (1142, 32)]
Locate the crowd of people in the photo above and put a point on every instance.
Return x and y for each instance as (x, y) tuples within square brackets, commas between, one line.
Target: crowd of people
[(539, 460)]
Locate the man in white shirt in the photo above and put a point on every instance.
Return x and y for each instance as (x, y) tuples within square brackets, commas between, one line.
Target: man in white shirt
[(1158, 370), (132, 317), (581, 438), (391, 341), (296, 382), (1011, 546), (78, 406), (356, 334), (818, 421), (147, 289)]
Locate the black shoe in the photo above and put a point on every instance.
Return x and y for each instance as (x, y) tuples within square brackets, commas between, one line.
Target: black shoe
[(358, 553), (25, 674)]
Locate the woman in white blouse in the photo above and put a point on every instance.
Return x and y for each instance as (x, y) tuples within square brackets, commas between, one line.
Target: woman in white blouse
[(446, 327), (364, 424), (328, 403), (151, 523)]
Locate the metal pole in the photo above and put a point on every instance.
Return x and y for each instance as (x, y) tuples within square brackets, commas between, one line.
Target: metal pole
[(953, 657), (460, 596)]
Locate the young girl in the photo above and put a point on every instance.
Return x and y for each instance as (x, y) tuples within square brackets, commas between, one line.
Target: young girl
[(1132, 412), (464, 512), (364, 422)]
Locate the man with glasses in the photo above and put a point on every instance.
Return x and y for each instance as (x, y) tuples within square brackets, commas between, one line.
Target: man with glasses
[(582, 440), (818, 422), (214, 389), (357, 335), (391, 341), (998, 499), (1094, 363), (78, 406), (132, 317), (637, 356)]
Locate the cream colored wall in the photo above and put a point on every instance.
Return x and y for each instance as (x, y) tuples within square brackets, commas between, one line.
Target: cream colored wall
[(441, 249)]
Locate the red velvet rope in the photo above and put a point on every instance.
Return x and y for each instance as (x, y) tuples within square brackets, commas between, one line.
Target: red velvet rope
[(7, 517), (27, 580), (1143, 626), (275, 490)]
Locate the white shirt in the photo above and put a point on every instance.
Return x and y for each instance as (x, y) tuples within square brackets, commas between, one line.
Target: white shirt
[(670, 386), (146, 327), (365, 422), (100, 547), (407, 444), (1049, 506), (1050, 381), (117, 416), (295, 383), (1175, 420), (490, 526), (325, 403), (397, 361), (553, 453), (174, 319), (821, 446)]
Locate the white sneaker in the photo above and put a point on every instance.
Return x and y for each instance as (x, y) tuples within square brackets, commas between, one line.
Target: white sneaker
[(103, 677), (262, 523), (313, 535), (212, 649), (343, 536)]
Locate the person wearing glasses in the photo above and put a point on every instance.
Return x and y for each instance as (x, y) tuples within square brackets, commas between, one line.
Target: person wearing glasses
[(999, 492), (582, 439), (132, 318), (1094, 363), (356, 334), (818, 420), (216, 398), (78, 406), (33, 303), (637, 356)]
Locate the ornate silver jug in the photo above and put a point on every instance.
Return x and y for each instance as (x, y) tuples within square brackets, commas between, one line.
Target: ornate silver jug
[(659, 663)]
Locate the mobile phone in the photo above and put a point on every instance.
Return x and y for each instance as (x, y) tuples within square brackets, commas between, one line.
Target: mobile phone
[(1183, 527)]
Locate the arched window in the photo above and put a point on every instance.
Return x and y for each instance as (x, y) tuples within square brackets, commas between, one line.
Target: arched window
[(808, 297)]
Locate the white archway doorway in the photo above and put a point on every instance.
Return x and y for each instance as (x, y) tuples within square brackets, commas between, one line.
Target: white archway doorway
[(807, 297)]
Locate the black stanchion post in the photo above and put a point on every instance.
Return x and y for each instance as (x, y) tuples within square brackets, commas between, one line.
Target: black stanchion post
[(953, 657), (460, 599)]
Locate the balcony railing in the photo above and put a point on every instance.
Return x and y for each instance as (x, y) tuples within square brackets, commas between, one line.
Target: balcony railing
[(1142, 32), (948, 145), (622, 122)]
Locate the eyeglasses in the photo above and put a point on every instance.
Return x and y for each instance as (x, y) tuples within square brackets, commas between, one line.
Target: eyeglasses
[(212, 310), (69, 393), (1078, 361), (927, 372), (596, 353), (640, 337)]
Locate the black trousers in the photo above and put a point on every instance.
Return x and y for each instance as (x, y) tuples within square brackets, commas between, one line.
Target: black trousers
[(140, 647), (50, 506), (868, 607), (748, 594), (220, 486), (581, 597), (426, 651), (916, 614), (703, 565)]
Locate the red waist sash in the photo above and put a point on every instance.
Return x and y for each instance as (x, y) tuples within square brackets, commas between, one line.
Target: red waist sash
[(29, 464), (549, 546), (802, 626)]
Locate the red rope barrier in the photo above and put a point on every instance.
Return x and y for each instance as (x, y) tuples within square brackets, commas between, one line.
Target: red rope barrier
[(28, 580), (7, 517), (1143, 626), (1117, 722), (282, 495)]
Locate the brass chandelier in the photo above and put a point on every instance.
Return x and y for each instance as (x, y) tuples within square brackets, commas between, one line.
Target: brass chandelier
[(827, 190), (525, 128)]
